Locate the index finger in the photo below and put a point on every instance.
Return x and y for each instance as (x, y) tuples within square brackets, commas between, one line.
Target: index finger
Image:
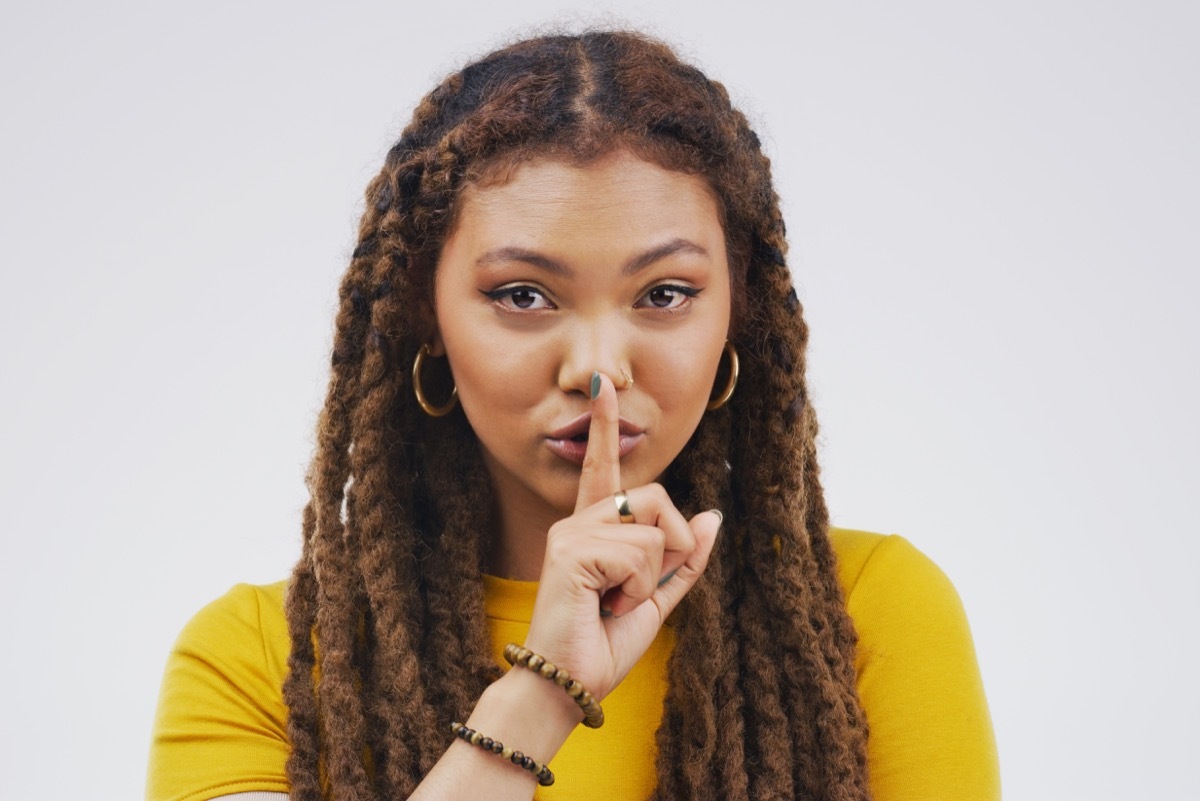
[(601, 473)]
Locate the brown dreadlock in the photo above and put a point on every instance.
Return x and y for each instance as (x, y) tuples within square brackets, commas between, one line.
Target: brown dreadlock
[(761, 701)]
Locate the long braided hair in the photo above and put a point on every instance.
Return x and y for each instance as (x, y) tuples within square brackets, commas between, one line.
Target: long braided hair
[(385, 607)]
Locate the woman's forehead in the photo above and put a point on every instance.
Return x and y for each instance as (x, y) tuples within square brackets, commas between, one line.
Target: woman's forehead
[(618, 198)]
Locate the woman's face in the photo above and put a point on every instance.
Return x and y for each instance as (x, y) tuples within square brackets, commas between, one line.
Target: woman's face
[(617, 267)]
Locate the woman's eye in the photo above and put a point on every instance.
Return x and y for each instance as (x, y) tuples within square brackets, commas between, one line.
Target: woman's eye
[(668, 296), (520, 298)]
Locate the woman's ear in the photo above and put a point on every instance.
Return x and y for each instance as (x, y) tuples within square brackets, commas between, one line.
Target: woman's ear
[(436, 346), (428, 331)]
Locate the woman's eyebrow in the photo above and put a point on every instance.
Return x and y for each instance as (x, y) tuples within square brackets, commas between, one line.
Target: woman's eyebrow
[(528, 256), (639, 262), (677, 245)]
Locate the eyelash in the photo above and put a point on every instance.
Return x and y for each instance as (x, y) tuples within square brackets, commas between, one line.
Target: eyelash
[(688, 292), (507, 293)]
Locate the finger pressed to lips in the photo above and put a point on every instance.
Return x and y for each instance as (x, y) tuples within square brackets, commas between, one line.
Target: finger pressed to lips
[(600, 475), (633, 556), (570, 442)]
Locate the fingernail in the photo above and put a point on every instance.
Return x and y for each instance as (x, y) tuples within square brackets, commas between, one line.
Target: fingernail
[(595, 384), (719, 514), (667, 577), (605, 612)]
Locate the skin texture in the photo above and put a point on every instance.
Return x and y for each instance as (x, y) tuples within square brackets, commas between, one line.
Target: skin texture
[(560, 240)]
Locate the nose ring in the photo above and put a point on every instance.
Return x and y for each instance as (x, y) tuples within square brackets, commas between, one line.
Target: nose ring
[(628, 379)]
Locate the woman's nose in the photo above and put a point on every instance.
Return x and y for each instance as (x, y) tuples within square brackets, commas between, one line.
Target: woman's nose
[(594, 348)]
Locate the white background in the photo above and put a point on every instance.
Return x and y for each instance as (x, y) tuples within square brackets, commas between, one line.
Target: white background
[(993, 211)]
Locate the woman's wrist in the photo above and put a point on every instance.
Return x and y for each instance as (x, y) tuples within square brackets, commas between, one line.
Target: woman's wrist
[(527, 712), (524, 712)]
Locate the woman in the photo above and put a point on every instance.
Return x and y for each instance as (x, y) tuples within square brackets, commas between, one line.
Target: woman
[(568, 330)]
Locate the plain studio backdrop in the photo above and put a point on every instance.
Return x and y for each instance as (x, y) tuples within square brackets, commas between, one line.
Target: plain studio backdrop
[(993, 213)]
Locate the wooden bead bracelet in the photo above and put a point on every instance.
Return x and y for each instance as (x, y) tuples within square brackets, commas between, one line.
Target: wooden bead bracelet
[(519, 656), (541, 772)]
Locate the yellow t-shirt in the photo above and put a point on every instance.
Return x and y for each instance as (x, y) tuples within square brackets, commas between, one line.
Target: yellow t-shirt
[(221, 722)]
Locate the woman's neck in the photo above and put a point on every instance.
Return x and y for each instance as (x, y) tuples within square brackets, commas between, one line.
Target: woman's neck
[(519, 533)]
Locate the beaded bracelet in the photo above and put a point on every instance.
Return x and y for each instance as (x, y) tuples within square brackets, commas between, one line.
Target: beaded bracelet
[(541, 772), (518, 656)]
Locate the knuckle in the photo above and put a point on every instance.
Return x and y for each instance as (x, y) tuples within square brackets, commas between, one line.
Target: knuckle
[(639, 561), (659, 493), (658, 538), (558, 540), (553, 555)]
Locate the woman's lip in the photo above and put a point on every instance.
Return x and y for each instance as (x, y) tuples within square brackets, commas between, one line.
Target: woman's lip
[(583, 422), (574, 450)]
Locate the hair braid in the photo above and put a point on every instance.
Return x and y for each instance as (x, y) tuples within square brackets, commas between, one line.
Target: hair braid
[(335, 625), (305, 602), (702, 757), (338, 622), (381, 532), (458, 645), (299, 692), (387, 594)]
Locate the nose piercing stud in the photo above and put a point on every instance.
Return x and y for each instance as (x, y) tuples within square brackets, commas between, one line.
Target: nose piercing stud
[(628, 379)]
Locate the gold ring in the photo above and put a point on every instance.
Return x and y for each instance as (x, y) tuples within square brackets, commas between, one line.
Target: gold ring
[(623, 510)]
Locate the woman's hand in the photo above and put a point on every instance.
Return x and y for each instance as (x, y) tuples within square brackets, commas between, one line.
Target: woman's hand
[(607, 587), (638, 571)]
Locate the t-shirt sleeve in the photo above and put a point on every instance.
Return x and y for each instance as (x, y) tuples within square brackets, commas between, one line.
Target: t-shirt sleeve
[(918, 680), (220, 727)]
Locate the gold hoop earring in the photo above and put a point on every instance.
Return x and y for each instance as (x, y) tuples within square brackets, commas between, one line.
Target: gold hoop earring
[(727, 393), (429, 408)]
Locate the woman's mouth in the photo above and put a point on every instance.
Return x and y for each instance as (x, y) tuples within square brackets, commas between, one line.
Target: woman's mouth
[(570, 441)]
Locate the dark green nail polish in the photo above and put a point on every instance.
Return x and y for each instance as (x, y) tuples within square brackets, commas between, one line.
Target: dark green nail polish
[(667, 577), (605, 612), (720, 515), (595, 384)]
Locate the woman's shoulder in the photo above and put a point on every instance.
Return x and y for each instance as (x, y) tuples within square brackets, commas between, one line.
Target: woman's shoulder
[(897, 595), (240, 638), (868, 562), (221, 724), (246, 599), (248, 616), (917, 676)]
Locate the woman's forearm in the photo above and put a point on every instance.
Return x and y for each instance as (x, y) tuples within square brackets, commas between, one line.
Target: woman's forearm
[(521, 710)]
